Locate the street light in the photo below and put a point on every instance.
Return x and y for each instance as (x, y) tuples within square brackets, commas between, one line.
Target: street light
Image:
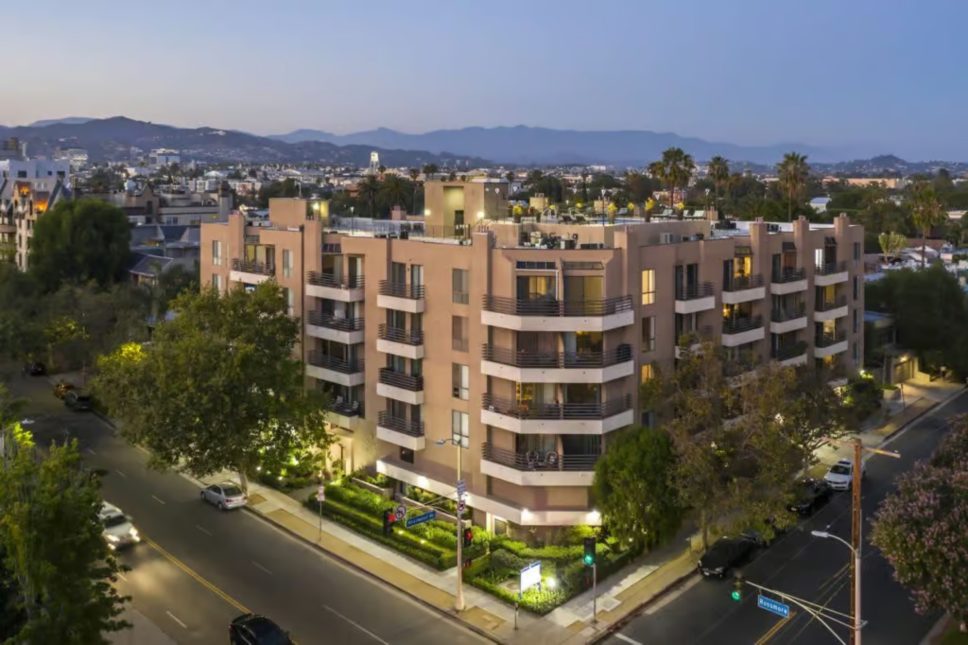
[(459, 596), (856, 553)]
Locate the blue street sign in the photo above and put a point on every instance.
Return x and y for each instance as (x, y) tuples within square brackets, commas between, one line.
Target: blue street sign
[(420, 519), (773, 606)]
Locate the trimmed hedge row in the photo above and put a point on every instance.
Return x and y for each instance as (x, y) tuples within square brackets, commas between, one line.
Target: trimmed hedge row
[(537, 602)]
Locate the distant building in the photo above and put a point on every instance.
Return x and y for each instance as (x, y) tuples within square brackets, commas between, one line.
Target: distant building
[(819, 204), (163, 157), (34, 169), (22, 201)]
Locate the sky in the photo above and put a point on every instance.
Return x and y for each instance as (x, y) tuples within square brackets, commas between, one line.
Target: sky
[(883, 75)]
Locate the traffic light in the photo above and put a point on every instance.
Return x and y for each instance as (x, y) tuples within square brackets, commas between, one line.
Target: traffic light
[(737, 593), (589, 557), (388, 519), (468, 537)]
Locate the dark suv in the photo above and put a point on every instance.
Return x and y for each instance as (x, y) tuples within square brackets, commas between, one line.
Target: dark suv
[(724, 554), (252, 629), (78, 401), (810, 494)]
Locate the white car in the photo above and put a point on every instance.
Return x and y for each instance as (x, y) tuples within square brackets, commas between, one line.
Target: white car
[(225, 496), (841, 474), (118, 530)]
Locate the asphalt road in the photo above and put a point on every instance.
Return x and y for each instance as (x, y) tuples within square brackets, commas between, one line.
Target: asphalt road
[(199, 567), (702, 612)]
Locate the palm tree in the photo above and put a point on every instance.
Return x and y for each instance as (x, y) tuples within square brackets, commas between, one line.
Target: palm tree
[(719, 173), (680, 166), (429, 170), (660, 173), (927, 212), (367, 190), (793, 172), (509, 175), (393, 191), (414, 173)]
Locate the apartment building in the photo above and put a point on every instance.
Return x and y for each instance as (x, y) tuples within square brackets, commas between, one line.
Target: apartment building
[(527, 342), (22, 201)]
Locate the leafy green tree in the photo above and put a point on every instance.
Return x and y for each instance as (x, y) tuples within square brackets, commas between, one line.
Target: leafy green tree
[(793, 172), (674, 170), (395, 191), (430, 170), (80, 241), (52, 545), (368, 190), (811, 415), (719, 173), (218, 387), (927, 212), (288, 187), (891, 244), (633, 488)]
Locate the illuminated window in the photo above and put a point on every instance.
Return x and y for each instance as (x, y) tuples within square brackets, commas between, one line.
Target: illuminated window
[(648, 286), (646, 372), (217, 252)]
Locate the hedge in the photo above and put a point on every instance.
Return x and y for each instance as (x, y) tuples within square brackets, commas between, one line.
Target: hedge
[(537, 602), (556, 553)]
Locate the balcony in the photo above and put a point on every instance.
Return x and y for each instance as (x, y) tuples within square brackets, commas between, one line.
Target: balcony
[(400, 342), (250, 271), (739, 368), (556, 418), (835, 375), (400, 386), (548, 314), (788, 280), (830, 344), (692, 298), (830, 273), (401, 296), (333, 287), (348, 331), (743, 288), (557, 367), (538, 469), (335, 370), (791, 354), (740, 331), (830, 309), (401, 432), (345, 414), (789, 318)]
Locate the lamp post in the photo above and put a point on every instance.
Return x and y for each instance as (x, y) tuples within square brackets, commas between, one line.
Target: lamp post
[(856, 595), (457, 440)]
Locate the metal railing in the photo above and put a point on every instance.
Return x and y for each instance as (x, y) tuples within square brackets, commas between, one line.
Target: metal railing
[(322, 319), (789, 274), (739, 325), (397, 335), (694, 291), (829, 268), (535, 410), (791, 350), (401, 290), (535, 460), (251, 266), (552, 307), (342, 365), (398, 424), (826, 340), (556, 359), (790, 312), (740, 282), (401, 380), (829, 305), (347, 408), (334, 281)]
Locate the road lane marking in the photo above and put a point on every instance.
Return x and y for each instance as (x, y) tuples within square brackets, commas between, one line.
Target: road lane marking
[(204, 530), (175, 618), (123, 476), (259, 566), (773, 631), (158, 499), (623, 637), (198, 578), (359, 626)]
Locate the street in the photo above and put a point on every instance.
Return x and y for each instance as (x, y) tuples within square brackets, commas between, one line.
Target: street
[(198, 568), (816, 569)]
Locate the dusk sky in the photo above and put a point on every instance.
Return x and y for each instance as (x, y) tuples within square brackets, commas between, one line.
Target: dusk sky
[(886, 75)]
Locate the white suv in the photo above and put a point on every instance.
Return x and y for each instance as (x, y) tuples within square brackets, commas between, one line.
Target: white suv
[(841, 474), (118, 529)]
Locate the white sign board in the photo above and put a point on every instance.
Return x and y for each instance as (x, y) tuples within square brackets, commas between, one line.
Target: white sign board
[(530, 576), (321, 493)]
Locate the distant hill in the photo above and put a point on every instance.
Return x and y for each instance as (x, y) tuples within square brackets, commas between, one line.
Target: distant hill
[(528, 145), (889, 166), (111, 139), (70, 120)]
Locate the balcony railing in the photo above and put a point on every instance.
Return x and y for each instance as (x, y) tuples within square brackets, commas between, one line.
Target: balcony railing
[(737, 366), (397, 335), (740, 282), (401, 380), (826, 340), (322, 319), (535, 460), (552, 307), (789, 274), (829, 268), (345, 366), (401, 290), (397, 424), (321, 279), (536, 410), (556, 359), (694, 291), (788, 351), (347, 408), (829, 305), (739, 325), (251, 266), (790, 312)]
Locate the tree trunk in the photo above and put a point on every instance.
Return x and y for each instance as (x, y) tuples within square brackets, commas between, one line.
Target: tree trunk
[(243, 480)]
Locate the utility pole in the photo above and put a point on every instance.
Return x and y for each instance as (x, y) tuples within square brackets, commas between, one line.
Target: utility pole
[(855, 538), (459, 598)]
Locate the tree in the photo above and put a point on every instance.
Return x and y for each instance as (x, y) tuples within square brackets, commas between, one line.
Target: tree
[(218, 387), (633, 488), (429, 170), (80, 241), (674, 170), (793, 172), (927, 212), (812, 415), (719, 173), (394, 191), (660, 173), (368, 190), (52, 545), (891, 244)]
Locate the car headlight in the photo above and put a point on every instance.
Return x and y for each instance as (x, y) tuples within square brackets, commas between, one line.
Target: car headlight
[(133, 534), (113, 538), (718, 569)]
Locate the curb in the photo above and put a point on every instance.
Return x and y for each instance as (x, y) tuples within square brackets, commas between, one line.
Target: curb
[(931, 408), (936, 630)]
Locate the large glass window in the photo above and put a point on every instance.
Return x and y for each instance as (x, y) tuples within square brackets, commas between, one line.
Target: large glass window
[(648, 286), (648, 334), (461, 378), (531, 287), (459, 333), (461, 286), (217, 252), (286, 263), (460, 428)]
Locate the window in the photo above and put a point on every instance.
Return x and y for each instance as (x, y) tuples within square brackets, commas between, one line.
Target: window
[(286, 263), (855, 288), (216, 282), (855, 321), (459, 333), (648, 286), (460, 431), (460, 286), (856, 250), (217, 252), (646, 372), (648, 334), (648, 419), (461, 378), (290, 301)]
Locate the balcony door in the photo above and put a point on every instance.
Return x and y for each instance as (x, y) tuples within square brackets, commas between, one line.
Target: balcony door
[(398, 273)]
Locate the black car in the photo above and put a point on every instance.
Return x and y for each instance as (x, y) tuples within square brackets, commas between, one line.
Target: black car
[(78, 402), (252, 629), (811, 494), (724, 554), (36, 369)]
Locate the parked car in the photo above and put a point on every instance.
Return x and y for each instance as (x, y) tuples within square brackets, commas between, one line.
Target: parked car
[(62, 388), (841, 474), (810, 494), (36, 368), (724, 554), (118, 531), (252, 629), (78, 401), (225, 496)]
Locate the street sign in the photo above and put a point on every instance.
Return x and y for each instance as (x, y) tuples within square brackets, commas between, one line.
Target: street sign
[(461, 487), (530, 576), (461, 506), (773, 606), (401, 511), (420, 519), (321, 493)]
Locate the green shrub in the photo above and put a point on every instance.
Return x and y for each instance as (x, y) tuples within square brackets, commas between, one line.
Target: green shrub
[(478, 566), (556, 553), (537, 602), (359, 498), (504, 560)]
